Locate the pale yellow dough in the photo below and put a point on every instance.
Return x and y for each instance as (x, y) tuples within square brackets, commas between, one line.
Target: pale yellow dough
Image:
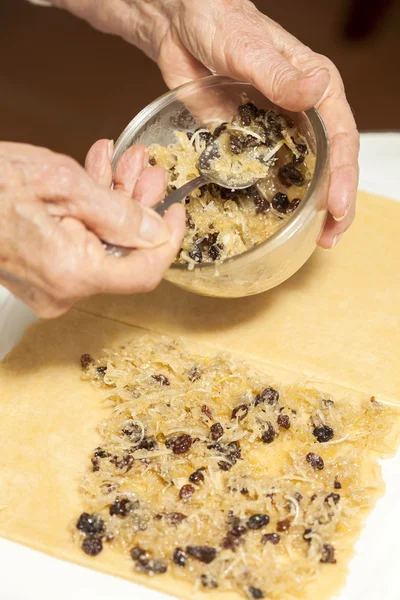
[(336, 321)]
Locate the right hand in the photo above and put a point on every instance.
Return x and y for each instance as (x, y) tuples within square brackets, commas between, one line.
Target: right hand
[(53, 216)]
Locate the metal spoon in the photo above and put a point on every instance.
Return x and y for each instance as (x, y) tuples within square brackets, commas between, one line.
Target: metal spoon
[(208, 175)]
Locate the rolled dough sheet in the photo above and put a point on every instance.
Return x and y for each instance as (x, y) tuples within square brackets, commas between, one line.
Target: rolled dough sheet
[(337, 319), (48, 421)]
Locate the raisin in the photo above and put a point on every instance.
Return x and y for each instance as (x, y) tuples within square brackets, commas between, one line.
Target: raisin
[(151, 566), (138, 553), (337, 485), (257, 521), (218, 130), (298, 160), (272, 538), (152, 161), (197, 477), (315, 461), (289, 175), (256, 593), (92, 546), (268, 395), (208, 581), (216, 431), (186, 492), (124, 462), (313, 497), (174, 518), (86, 360), (247, 112), (147, 443), (205, 136), (244, 491), (283, 526), (323, 433), (194, 374), (269, 435), (161, 379), (284, 421), (328, 554), (101, 371), (236, 143), (262, 206), (233, 451), (280, 202), (215, 251), (240, 412), (182, 444), (189, 221), (96, 464), (133, 431), (100, 452), (205, 554), (334, 497), (224, 465), (298, 497), (196, 255), (122, 507), (238, 530), (251, 192), (307, 535), (231, 543), (90, 524), (179, 557), (293, 205)]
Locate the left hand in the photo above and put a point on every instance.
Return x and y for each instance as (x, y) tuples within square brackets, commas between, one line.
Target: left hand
[(191, 39)]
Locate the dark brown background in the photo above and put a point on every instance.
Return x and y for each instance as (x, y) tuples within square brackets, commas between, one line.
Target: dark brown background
[(64, 85)]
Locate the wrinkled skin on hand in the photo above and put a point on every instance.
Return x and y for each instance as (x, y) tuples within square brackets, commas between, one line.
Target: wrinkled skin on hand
[(53, 216), (192, 39)]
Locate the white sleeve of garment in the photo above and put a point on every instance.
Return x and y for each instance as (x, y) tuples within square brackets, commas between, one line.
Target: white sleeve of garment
[(40, 2)]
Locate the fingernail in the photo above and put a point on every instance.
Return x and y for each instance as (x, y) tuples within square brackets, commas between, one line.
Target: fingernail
[(338, 219), (145, 158), (336, 239), (153, 230), (110, 149)]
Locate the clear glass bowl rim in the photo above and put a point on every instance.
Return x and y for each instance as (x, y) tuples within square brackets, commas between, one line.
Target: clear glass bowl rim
[(305, 209)]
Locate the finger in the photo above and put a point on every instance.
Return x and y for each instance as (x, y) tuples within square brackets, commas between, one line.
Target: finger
[(151, 186), (129, 168), (334, 230), (98, 162), (142, 270)]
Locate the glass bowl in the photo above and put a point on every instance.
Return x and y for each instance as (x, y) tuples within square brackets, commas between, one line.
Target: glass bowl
[(273, 261)]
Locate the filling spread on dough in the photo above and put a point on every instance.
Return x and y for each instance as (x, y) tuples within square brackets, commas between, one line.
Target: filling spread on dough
[(213, 472), (223, 222)]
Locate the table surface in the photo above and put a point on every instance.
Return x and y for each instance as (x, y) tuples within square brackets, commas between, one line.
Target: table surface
[(46, 578)]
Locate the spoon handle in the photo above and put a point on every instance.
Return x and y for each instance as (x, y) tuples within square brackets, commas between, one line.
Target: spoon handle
[(176, 196), (180, 194)]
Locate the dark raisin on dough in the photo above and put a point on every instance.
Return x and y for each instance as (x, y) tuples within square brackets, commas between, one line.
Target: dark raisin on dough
[(151, 566), (208, 581), (283, 526), (293, 205), (196, 255), (189, 221), (289, 175), (197, 476), (137, 553), (125, 462), (162, 379), (215, 251), (101, 371), (284, 421), (337, 485), (257, 521), (315, 461), (216, 431), (247, 112), (328, 554), (238, 530), (231, 543), (132, 430), (280, 202), (240, 412), (182, 444), (268, 395), (218, 130), (256, 593), (179, 557), (186, 492), (272, 538), (123, 506), (307, 535), (86, 360), (194, 374), (205, 554), (335, 498), (173, 518), (236, 143), (92, 546), (90, 524), (262, 206), (152, 161), (269, 434), (323, 433), (224, 465), (244, 491), (233, 451), (147, 443)]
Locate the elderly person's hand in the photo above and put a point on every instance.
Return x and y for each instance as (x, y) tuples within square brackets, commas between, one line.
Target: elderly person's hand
[(192, 39), (53, 216)]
